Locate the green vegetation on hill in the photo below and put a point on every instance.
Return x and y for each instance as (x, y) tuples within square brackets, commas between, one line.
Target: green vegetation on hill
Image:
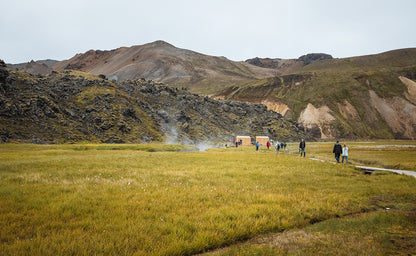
[(71, 107), (335, 83)]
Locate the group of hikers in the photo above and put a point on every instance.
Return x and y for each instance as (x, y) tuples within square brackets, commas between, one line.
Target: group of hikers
[(338, 151), (341, 153), (278, 146)]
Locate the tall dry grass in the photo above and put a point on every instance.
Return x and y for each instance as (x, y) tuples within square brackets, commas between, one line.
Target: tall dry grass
[(123, 200)]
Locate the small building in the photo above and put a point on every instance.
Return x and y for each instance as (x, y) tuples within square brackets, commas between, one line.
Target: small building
[(262, 140), (243, 140)]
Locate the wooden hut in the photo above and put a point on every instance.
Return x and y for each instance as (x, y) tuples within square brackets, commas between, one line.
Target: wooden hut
[(243, 140), (262, 140)]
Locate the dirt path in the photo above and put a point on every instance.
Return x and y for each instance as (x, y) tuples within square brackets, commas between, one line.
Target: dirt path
[(372, 169), (410, 173)]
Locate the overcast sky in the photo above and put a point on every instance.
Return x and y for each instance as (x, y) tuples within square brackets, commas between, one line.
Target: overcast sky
[(236, 29)]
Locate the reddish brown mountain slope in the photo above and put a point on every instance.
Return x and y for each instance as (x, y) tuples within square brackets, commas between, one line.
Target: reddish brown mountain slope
[(163, 62)]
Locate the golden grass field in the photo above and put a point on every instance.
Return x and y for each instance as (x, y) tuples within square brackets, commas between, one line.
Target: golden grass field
[(168, 200)]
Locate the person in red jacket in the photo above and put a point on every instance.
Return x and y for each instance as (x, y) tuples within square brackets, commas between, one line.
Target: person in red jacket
[(268, 144)]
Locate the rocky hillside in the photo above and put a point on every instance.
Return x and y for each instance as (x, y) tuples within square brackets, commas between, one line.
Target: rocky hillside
[(362, 97), (72, 106), (163, 62), (287, 66), (42, 67)]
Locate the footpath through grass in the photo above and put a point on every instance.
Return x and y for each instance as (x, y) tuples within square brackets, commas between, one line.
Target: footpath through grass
[(386, 154), (99, 199)]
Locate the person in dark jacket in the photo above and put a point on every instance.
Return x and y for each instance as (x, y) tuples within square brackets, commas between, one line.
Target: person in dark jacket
[(337, 150), (302, 146)]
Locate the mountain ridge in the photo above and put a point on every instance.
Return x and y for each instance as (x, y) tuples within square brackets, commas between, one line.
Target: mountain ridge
[(356, 97), (163, 62)]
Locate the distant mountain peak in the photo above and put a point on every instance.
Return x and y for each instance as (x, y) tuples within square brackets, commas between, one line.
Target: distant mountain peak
[(161, 43)]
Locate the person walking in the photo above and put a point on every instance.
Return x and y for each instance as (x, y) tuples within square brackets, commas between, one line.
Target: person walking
[(302, 147), (337, 150), (257, 146), (268, 144), (277, 146), (345, 154)]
